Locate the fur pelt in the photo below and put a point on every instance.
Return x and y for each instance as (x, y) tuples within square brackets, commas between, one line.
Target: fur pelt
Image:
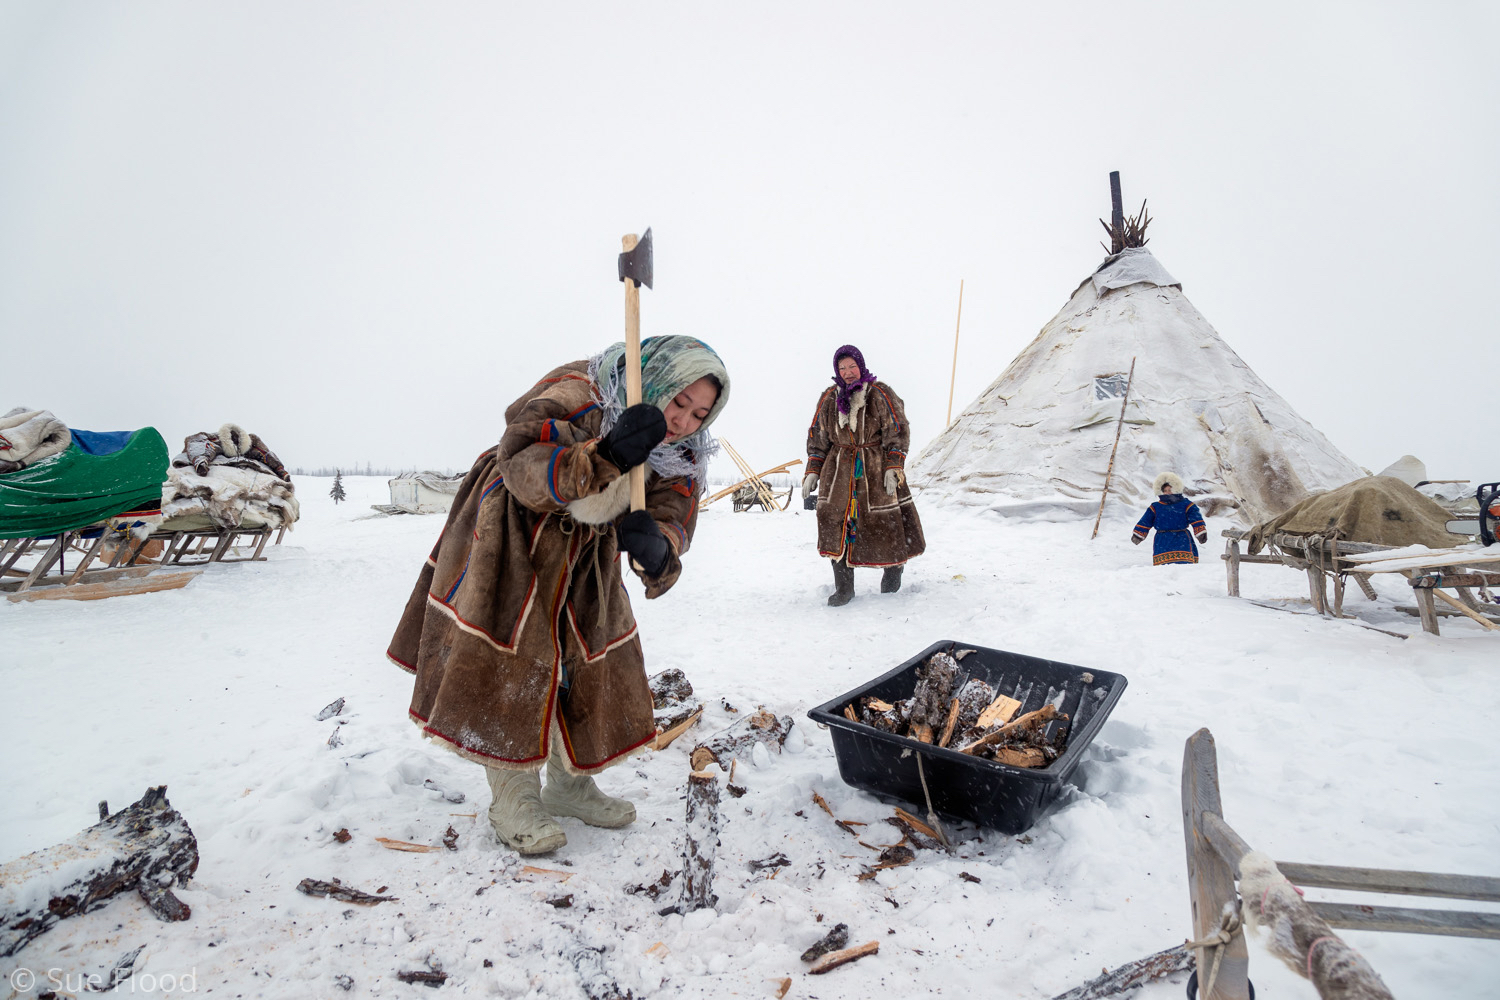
[(236, 491), (1171, 479), (605, 506), (28, 436), (234, 440)]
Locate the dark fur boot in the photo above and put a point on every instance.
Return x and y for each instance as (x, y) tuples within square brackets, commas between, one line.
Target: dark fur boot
[(843, 584), (890, 580)]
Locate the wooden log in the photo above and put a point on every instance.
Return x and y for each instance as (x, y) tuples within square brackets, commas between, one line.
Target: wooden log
[(834, 959), (147, 847), (1210, 877), (999, 711), (1020, 756), (669, 687), (1474, 579), (725, 746), (1366, 587), (936, 680), (334, 889), (1317, 587), (1132, 974), (700, 842)]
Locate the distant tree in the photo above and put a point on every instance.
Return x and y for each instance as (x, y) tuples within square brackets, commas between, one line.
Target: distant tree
[(338, 487)]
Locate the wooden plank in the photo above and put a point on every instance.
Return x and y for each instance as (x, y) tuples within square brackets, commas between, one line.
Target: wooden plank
[(1427, 611), (1210, 878), (94, 576), (1317, 586), (1468, 557), (88, 558), (53, 553), (1405, 920), (1405, 883), (1232, 568), (148, 583), (1221, 836), (1456, 580)]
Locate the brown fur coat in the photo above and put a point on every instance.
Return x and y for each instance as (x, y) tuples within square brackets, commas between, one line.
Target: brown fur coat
[(888, 531), (523, 588)]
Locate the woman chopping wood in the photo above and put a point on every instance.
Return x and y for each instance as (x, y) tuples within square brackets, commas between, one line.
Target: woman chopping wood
[(856, 458), (519, 631)]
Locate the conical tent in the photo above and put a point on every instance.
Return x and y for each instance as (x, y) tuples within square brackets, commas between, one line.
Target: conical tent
[(1043, 431)]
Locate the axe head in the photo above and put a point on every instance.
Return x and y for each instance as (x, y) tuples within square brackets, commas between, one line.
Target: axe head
[(636, 264)]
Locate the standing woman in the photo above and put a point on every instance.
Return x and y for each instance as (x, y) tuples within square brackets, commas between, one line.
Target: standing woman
[(519, 631), (856, 457)]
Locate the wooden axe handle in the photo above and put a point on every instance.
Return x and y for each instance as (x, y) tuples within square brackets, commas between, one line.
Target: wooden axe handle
[(633, 368)]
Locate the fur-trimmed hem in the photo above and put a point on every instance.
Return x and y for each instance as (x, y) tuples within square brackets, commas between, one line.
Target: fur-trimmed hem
[(477, 756), (581, 771), (401, 663)]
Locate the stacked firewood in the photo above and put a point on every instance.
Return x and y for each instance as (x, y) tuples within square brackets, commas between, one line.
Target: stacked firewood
[(950, 709)]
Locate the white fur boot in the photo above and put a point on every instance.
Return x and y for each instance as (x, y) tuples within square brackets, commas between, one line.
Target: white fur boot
[(517, 816), (577, 795)]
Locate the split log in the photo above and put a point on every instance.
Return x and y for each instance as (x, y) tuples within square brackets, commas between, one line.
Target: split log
[(953, 707), (918, 832), (998, 712), (674, 720), (974, 697), (147, 847), (1031, 722), (700, 842), (724, 747), (834, 940), (423, 977), (1021, 756), (1133, 974), (834, 959)]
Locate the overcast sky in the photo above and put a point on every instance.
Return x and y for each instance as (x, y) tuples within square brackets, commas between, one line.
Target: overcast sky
[(360, 230)]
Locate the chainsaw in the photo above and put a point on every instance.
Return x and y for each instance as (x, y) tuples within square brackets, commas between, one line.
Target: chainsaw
[(1487, 521)]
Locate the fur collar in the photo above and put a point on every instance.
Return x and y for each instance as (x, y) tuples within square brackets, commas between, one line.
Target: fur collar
[(604, 506), (234, 440), (856, 406)]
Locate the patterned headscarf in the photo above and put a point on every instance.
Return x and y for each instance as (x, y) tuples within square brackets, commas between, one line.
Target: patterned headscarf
[(865, 376), (668, 366)]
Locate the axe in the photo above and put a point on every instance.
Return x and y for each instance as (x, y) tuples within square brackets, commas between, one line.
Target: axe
[(635, 270)]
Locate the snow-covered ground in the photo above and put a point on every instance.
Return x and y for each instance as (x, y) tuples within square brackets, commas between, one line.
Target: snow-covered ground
[(1337, 744)]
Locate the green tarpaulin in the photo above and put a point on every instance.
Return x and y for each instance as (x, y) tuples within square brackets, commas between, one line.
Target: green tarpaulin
[(75, 488)]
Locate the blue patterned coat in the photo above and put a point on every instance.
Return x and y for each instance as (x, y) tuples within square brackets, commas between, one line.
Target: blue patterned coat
[(1176, 520)]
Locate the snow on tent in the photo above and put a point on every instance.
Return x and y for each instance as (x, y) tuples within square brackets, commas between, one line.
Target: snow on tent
[(1040, 437)]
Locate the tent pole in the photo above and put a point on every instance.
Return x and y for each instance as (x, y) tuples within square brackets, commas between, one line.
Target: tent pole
[(954, 377), (1119, 426)]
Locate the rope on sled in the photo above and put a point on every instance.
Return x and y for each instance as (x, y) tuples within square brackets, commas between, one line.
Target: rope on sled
[(1230, 927)]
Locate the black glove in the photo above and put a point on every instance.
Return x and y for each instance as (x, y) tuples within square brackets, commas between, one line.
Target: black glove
[(643, 541), (640, 428)]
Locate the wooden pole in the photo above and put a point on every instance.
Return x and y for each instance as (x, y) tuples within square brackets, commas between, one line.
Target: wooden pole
[(1116, 213), (633, 368), (954, 377), (1119, 426)]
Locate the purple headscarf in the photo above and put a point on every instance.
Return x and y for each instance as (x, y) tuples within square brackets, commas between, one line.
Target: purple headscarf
[(865, 376)]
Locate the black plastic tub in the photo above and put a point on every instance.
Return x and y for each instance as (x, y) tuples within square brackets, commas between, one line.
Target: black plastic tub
[(999, 796)]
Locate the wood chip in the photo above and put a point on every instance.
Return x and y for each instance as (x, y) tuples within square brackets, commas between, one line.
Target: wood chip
[(343, 836), (849, 713), (658, 950), (405, 845), (879, 706), (425, 978), (999, 711), (916, 824), (1021, 757), (822, 803), (530, 874), (834, 959), (785, 985), (921, 732)]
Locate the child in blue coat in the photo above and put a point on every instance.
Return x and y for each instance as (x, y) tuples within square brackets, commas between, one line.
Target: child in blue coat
[(1173, 516)]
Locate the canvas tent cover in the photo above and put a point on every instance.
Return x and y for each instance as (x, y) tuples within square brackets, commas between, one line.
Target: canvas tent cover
[(1043, 432), (1381, 510), (78, 488)]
